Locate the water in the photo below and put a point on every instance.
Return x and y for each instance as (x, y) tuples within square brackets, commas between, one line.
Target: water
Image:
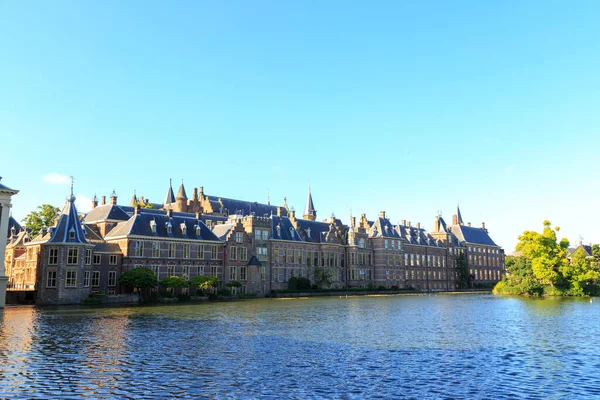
[(438, 347)]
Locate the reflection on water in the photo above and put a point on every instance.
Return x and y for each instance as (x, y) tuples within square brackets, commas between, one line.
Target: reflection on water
[(466, 346)]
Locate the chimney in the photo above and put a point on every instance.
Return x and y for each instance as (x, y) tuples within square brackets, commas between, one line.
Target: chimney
[(279, 211), (382, 214), (136, 209), (44, 230), (332, 219), (103, 200), (409, 225), (201, 190), (403, 222), (353, 221), (170, 212), (418, 225), (195, 195), (94, 202), (198, 214), (455, 219), (292, 214), (468, 224), (483, 225)]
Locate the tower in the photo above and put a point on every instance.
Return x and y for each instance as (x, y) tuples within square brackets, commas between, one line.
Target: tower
[(181, 199), (170, 197), (309, 211)]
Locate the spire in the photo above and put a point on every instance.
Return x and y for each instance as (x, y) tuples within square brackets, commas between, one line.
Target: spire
[(181, 192), (68, 229), (134, 199), (309, 211), (170, 197), (460, 220)]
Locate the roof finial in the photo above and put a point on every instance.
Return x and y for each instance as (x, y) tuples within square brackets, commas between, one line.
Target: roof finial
[(268, 196), (170, 182), (72, 179)]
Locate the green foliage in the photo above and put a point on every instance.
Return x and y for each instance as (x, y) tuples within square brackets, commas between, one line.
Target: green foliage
[(322, 277), (462, 272), (233, 284), (544, 269), (174, 282), (144, 205), (299, 283), (204, 283), (138, 278), (44, 216)]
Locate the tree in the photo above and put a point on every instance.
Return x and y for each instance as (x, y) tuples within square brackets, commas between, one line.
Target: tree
[(233, 284), (548, 257), (204, 283), (43, 216), (580, 271), (462, 272), (138, 279), (174, 282), (322, 277)]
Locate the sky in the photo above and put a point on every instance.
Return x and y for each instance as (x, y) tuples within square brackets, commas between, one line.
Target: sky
[(405, 106)]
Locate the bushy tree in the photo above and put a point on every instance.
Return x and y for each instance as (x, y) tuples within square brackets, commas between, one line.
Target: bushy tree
[(204, 283), (462, 272), (43, 216), (323, 277), (174, 282), (233, 284), (138, 279)]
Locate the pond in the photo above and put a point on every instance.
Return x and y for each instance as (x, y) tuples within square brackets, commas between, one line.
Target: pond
[(438, 347)]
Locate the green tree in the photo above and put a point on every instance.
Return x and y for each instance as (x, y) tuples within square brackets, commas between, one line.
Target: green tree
[(43, 216), (233, 284), (548, 257), (204, 283), (580, 272), (138, 279), (322, 277), (462, 272), (172, 282)]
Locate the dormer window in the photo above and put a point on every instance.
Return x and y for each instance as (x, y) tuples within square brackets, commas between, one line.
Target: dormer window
[(71, 234), (198, 230), (308, 232), (183, 228), (278, 231), (291, 231), (153, 226), (169, 228)]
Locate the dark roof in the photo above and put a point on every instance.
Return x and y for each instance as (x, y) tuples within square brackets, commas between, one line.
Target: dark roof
[(310, 207), (170, 197), (318, 230), (586, 248), (20, 239), (69, 228), (472, 235), (141, 225), (12, 223), (283, 229), (106, 212), (181, 192), (103, 247), (7, 189), (419, 236), (222, 230), (233, 206), (254, 261), (460, 220), (382, 227)]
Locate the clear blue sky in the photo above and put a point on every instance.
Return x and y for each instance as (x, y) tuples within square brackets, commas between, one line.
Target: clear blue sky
[(403, 106)]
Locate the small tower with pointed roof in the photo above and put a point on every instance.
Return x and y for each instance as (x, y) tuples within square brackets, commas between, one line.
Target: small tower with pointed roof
[(309, 211), (181, 199), (170, 197), (134, 200)]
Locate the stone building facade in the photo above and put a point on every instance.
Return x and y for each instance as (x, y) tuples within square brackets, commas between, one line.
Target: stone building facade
[(261, 246)]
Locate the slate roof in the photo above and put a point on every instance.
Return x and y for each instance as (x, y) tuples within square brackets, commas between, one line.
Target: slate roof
[(170, 197), (472, 235), (283, 229), (318, 230), (12, 223), (460, 220), (254, 261), (106, 212), (418, 236), (20, 239), (242, 207), (140, 225), (103, 247), (181, 192), (382, 227), (222, 230), (310, 207), (68, 223), (6, 189)]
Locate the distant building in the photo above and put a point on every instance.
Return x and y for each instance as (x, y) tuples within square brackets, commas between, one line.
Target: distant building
[(262, 246), (6, 194)]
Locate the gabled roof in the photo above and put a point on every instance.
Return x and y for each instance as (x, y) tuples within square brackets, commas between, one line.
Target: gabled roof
[(254, 261), (106, 212), (141, 225), (283, 229), (12, 223), (382, 227), (222, 230), (69, 228), (418, 236), (472, 235), (20, 239)]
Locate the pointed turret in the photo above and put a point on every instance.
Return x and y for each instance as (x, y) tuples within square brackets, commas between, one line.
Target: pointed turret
[(170, 197), (309, 211), (181, 199), (68, 229), (134, 200), (458, 216)]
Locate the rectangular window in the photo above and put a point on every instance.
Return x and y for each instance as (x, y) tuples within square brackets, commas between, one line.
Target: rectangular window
[(262, 253), (112, 278), (86, 279), (95, 278), (276, 255), (185, 274), (284, 255), (239, 237), (186, 250), (112, 259), (292, 256), (156, 271), (97, 259), (172, 249), (88, 256), (243, 254), (155, 249), (258, 234), (51, 279), (265, 235), (385, 243), (200, 251), (242, 273), (53, 258), (233, 253), (309, 258), (139, 248), (71, 278), (232, 273), (262, 273), (170, 270), (72, 256), (215, 252)]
